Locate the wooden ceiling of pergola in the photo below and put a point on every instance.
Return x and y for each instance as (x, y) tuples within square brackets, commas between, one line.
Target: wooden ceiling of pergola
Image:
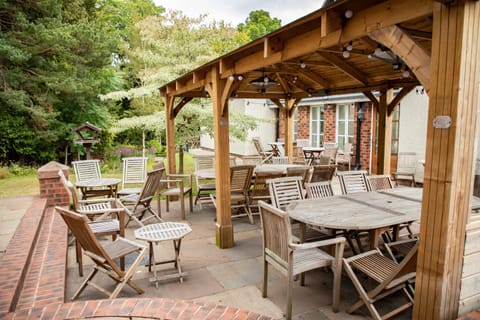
[(306, 58)]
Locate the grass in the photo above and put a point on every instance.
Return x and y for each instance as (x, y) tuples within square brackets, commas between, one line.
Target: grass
[(13, 186)]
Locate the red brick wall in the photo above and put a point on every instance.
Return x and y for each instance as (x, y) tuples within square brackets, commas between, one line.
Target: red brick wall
[(330, 120), (330, 123), (51, 187)]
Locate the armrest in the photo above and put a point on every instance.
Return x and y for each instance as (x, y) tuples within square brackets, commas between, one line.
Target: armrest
[(316, 244)]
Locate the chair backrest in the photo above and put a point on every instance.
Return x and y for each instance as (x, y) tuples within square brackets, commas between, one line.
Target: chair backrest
[(260, 186), (330, 152), (317, 190), (70, 188), (78, 225), (300, 171), (323, 173), (330, 145), (323, 160), (87, 169), (407, 162), (303, 143), (347, 148), (151, 186), (134, 170), (285, 190), (202, 162), (258, 146), (379, 182), (241, 178), (353, 181), (276, 233), (254, 160), (280, 160)]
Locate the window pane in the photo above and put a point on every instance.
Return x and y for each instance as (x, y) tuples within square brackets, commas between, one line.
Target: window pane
[(314, 127), (350, 128), (341, 112), (321, 127), (351, 112), (394, 147), (394, 130), (341, 128)]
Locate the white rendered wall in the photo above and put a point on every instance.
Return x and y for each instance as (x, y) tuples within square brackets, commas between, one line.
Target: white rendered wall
[(413, 126), (266, 130)]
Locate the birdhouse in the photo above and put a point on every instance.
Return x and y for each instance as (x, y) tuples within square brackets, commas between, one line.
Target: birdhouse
[(88, 135)]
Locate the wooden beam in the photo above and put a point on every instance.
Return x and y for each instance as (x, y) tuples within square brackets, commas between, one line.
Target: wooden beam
[(449, 162), (283, 82), (384, 136), (224, 227), (412, 53), (345, 67), (180, 105), (170, 133), (290, 105), (398, 98), (372, 98)]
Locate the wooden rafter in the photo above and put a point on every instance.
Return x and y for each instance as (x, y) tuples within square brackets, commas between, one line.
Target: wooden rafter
[(230, 86), (314, 77), (345, 67), (372, 98)]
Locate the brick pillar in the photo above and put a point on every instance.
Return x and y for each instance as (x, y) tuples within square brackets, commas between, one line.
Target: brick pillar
[(51, 187)]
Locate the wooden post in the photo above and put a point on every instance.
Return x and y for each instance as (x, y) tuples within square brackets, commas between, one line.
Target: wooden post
[(384, 133), (288, 109), (448, 178), (224, 227), (170, 132)]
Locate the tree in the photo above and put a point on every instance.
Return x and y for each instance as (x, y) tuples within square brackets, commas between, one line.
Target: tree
[(259, 24), (54, 61)]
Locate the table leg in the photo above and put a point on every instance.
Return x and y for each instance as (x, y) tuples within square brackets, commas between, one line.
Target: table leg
[(176, 246)]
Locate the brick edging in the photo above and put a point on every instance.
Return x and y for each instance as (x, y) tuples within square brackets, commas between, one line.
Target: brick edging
[(14, 263), (157, 308)]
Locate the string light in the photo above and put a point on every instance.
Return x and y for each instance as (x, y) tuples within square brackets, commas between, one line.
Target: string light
[(348, 14), (345, 53), (350, 46)]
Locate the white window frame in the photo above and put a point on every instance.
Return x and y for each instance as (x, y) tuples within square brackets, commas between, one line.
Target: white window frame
[(320, 124), (348, 136)]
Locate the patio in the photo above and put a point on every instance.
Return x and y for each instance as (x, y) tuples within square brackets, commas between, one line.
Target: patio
[(216, 277)]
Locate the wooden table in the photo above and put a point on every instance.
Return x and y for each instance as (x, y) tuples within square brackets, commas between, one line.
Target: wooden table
[(364, 211), (312, 153), (164, 231), (98, 187), (266, 167)]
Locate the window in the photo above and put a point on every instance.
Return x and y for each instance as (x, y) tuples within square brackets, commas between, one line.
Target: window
[(395, 128), (345, 121), (317, 125)]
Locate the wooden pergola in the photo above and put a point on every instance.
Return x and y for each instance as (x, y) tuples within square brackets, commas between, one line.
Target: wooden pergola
[(439, 43)]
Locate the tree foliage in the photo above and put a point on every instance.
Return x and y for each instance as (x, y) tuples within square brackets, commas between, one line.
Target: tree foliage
[(54, 61), (258, 24)]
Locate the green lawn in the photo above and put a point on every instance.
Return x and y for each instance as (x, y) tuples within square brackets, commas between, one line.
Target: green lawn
[(28, 185)]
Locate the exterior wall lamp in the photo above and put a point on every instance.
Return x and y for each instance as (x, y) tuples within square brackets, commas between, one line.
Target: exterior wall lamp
[(361, 113)]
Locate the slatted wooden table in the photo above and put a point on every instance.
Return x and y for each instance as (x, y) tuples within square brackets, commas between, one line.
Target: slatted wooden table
[(98, 187), (364, 211), (164, 231)]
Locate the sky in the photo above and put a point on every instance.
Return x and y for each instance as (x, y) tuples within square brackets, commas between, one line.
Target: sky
[(236, 11)]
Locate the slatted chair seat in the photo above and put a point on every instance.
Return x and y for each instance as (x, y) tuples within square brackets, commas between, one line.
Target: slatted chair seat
[(103, 255), (281, 160), (390, 277)]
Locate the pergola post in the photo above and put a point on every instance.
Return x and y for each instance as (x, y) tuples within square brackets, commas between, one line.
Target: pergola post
[(289, 109), (448, 179), (384, 132), (224, 227), (170, 133)]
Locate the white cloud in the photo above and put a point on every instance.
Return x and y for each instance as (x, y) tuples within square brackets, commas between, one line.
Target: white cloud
[(235, 12)]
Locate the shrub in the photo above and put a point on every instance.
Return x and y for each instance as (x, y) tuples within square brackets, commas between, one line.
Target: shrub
[(18, 170), (3, 173)]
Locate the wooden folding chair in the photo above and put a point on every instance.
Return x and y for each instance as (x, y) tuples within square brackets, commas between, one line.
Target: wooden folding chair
[(240, 180), (103, 256), (259, 190), (390, 277), (141, 203), (101, 214), (323, 172), (291, 259), (266, 154), (176, 186), (89, 170), (300, 171)]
